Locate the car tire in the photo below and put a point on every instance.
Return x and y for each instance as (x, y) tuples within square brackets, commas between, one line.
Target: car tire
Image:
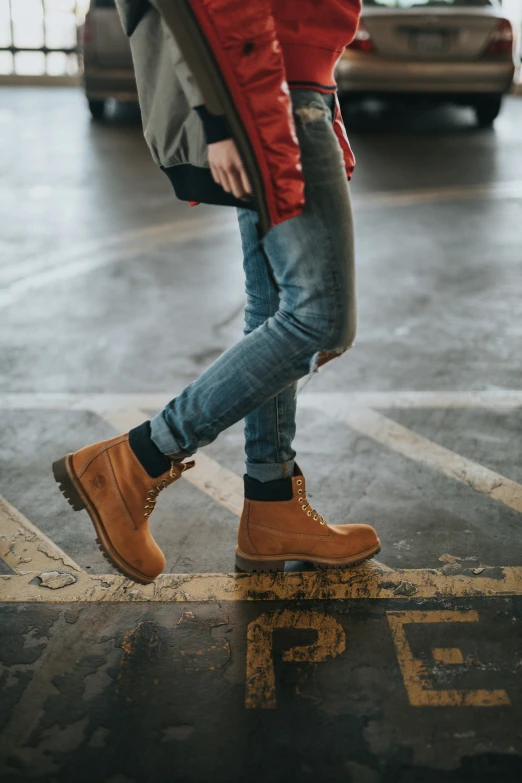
[(97, 109), (487, 110)]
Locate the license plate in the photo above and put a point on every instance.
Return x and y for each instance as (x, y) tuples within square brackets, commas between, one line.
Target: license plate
[(429, 42)]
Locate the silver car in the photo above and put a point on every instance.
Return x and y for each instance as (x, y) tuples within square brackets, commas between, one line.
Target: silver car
[(107, 62), (461, 51)]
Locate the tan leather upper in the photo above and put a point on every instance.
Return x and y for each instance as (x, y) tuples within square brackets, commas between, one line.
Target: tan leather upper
[(292, 527), (123, 495)]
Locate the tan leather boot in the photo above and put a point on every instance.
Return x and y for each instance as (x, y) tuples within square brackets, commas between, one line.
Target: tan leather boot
[(107, 480), (272, 532)]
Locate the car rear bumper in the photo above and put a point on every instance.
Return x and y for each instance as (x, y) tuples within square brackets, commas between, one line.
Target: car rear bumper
[(103, 83), (371, 74)]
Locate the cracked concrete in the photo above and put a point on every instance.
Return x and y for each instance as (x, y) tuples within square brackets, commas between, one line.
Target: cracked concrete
[(154, 686), (55, 580), (170, 675)]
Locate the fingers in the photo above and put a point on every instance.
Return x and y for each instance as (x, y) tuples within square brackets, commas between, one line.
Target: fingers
[(219, 176), (247, 188), (228, 170), (229, 181), (233, 180), (236, 180)]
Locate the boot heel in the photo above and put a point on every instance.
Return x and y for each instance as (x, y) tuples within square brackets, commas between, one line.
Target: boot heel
[(246, 564), (66, 484)]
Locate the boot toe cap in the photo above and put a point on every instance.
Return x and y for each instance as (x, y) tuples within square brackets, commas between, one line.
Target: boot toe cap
[(357, 538), (368, 536), (150, 562)]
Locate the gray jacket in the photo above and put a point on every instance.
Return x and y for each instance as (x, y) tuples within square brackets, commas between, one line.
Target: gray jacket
[(167, 89), (193, 54)]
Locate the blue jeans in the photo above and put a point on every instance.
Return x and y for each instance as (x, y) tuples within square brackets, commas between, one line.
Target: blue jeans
[(300, 305)]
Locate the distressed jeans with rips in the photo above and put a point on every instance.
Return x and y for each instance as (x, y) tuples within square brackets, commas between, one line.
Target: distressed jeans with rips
[(300, 304)]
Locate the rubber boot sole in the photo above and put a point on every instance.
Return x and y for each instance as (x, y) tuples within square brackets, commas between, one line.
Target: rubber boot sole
[(73, 492), (261, 564)]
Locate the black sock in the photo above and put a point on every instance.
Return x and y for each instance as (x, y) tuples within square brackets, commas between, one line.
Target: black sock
[(148, 454), (279, 489)]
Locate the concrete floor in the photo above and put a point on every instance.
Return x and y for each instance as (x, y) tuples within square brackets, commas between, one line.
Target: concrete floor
[(113, 296)]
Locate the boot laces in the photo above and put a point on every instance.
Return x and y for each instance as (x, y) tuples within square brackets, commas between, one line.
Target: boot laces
[(307, 508), (152, 494)]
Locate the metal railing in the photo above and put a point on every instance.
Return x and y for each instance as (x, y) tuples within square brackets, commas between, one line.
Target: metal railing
[(40, 37)]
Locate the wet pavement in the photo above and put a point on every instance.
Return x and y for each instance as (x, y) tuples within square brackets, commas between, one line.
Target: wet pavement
[(113, 296), (229, 692)]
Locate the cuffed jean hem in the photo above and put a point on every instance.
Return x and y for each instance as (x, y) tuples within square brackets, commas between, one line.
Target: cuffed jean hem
[(161, 435), (270, 471)]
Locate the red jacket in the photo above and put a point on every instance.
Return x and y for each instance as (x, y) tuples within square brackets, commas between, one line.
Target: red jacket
[(313, 35), (245, 56)]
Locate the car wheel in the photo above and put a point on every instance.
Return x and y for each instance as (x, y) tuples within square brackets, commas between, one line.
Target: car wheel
[(97, 109), (487, 110)]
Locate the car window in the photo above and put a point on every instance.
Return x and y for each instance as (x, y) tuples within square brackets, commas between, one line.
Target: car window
[(431, 3)]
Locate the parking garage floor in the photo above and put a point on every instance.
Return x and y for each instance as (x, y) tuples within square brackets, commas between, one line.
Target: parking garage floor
[(113, 297)]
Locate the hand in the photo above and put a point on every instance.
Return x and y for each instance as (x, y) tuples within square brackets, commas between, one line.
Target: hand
[(227, 168)]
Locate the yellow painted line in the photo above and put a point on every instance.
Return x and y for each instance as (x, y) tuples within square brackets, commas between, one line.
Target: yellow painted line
[(366, 581), (26, 549), (152, 238), (260, 673), (123, 419), (419, 449), (177, 230), (447, 656), (408, 198), (416, 674), (99, 403), (219, 483), (369, 581), (498, 398)]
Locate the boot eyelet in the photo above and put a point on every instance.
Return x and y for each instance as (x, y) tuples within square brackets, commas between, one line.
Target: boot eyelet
[(301, 500), (300, 491), (309, 513), (299, 482), (323, 522)]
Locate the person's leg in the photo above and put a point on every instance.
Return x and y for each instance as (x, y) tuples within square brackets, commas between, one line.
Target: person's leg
[(311, 257), (270, 428)]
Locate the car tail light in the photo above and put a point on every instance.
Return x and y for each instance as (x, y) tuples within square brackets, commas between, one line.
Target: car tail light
[(87, 29), (501, 40), (362, 41)]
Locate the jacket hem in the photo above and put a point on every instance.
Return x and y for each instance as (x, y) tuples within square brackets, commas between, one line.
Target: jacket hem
[(305, 64), (315, 86), (196, 184)]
